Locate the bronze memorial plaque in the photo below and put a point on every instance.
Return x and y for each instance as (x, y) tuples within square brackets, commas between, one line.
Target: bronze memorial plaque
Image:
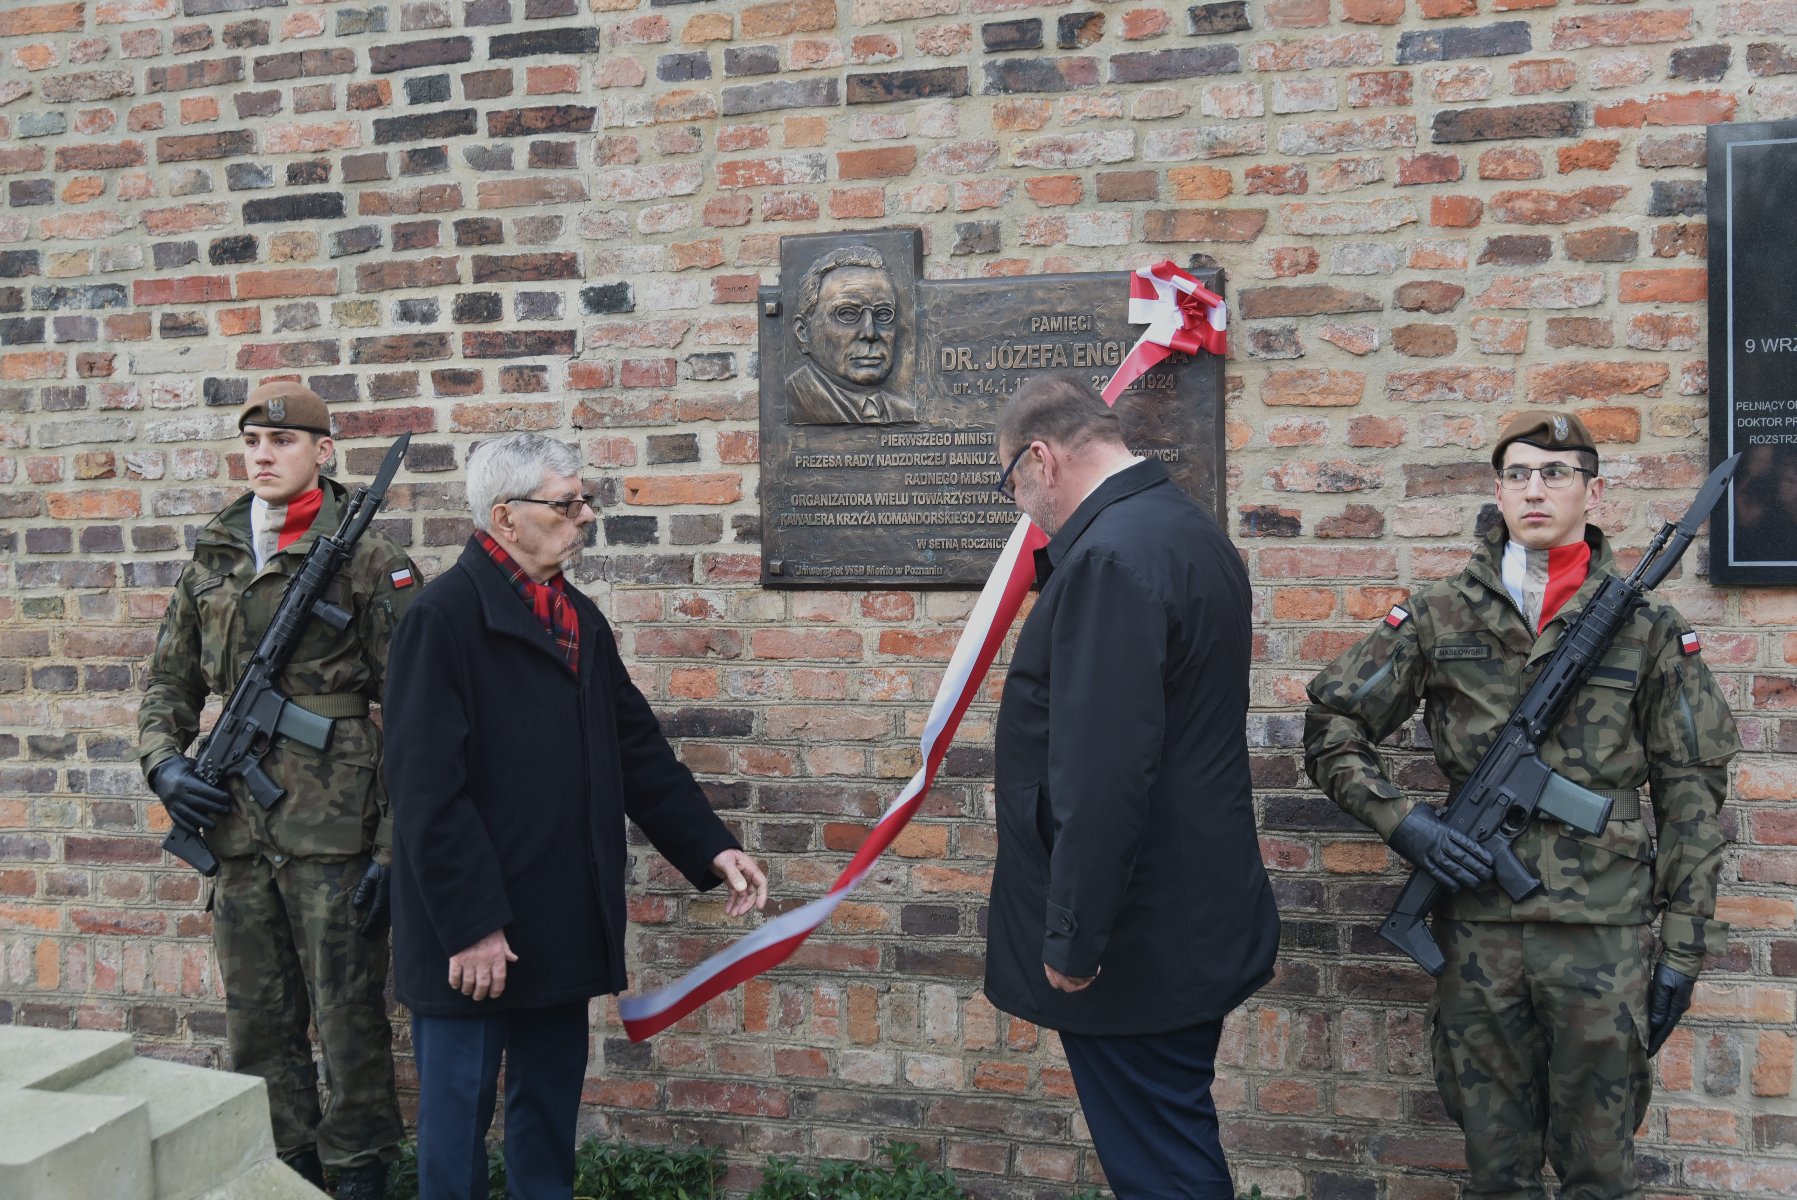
[(880, 394)]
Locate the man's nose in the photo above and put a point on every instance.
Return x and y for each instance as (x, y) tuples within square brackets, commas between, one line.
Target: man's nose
[(865, 330)]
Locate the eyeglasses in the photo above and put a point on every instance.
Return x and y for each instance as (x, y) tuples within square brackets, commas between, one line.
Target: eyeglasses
[(1003, 486), (568, 508), (1554, 475)]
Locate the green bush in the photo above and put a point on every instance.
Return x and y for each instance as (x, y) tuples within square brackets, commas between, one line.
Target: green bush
[(605, 1171), (907, 1177)]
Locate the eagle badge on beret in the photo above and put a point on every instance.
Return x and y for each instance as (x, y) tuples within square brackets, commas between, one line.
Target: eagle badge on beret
[(1562, 431), (277, 409)]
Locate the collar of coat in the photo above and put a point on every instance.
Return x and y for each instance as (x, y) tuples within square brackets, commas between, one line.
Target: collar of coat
[(504, 613), (231, 528), (1134, 478), (1482, 583)]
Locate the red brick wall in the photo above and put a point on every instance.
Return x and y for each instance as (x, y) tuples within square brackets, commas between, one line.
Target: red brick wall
[(456, 218)]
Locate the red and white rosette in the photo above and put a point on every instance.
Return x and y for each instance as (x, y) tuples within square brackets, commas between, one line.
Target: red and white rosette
[(1181, 314), (773, 942)]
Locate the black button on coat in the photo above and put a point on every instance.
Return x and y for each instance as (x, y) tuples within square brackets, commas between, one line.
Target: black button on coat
[(510, 780), (1126, 838)]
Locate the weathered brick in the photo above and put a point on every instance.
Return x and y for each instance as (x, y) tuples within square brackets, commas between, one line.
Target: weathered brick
[(1016, 76), (1551, 120), (422, 127), (1463, 41), (1203, 225), (1301, 301), (559, 118), (431, 52), (526, 268), (1621, 29), (886, 87), (1150, 66), (198, 146)]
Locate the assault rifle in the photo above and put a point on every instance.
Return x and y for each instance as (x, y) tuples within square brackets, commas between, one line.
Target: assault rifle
[(257, 711), (1511, 783)]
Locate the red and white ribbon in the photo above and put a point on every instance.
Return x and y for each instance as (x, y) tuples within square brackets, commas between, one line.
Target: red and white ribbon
[(1181, 314), (773, 942)]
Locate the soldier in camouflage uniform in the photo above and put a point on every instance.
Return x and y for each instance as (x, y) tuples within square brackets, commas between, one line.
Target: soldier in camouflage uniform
[(299, 902), (1549, 1008)]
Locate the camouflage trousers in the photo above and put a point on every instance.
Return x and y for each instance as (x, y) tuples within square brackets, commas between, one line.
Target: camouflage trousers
[(290, 957), (1540, 1038)]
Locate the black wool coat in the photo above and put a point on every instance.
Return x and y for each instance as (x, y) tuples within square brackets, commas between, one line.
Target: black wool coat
[(1126, 839), (510, 780)]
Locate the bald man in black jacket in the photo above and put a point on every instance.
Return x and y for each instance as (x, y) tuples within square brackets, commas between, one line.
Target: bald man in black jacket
[(1130, 910)]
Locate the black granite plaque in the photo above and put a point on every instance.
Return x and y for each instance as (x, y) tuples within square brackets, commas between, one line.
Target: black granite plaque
[(880, 394), (1753, 350)]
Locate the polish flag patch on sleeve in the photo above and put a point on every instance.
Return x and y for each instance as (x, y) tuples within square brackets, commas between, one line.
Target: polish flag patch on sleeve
[(401, 578), (1688, 642), (1397, 616)]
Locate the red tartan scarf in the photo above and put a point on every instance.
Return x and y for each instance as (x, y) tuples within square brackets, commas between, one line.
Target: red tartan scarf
[(548, 600)]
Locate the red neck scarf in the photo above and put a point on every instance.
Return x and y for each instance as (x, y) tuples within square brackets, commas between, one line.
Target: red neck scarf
[(549, 601)]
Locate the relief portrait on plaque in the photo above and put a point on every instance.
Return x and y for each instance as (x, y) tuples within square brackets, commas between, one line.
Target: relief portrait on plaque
[(846, 326)]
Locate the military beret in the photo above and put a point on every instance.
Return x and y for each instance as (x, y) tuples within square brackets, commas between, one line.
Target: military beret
[(286, 405), (1544, 428)]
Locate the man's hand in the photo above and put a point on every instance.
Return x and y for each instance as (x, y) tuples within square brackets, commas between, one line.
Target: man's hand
[(479, 971), (1455, 860), (1668, 997), (374, 893), (1067, 983), (748, 885), (192, 803)]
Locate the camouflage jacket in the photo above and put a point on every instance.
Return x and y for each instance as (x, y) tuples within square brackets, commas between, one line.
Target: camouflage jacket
[(220, 607), (1651, 714)]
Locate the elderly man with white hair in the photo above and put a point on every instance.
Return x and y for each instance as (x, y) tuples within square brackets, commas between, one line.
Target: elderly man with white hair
[(517, 746)]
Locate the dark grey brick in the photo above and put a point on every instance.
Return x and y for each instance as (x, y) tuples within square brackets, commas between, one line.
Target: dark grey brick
[(477, 308), (305, 206), (237, 248), (607, 298), (420, 127), (167, 255), (427, 89), (1204, 20), (1148, 66), (1700, 64), (249, 177), (571, 39), (359, 240), (433, 52), (1461, 41), (1677, 198), (751, 60), (683, 67), (889, 87), (997, 36)]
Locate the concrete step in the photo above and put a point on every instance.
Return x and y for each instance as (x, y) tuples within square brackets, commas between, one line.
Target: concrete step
[(56, 1146), (205, 1127), (54, 1059), (270, 1180)]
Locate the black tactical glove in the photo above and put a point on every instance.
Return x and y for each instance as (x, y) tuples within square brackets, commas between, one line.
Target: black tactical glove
[(1455, 860), (192, 803), (1668, 997), (374, 893)]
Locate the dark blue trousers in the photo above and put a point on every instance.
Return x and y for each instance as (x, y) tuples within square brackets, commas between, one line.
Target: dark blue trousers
[(545, 1053), (1147, 1099)]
